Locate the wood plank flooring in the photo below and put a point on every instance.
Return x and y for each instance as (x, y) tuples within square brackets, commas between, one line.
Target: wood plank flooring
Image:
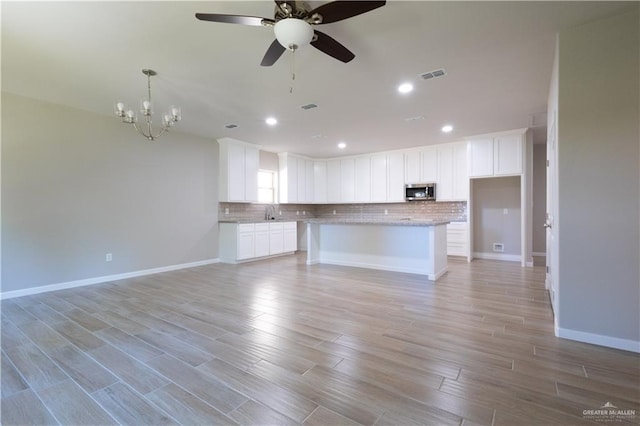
[(279, 342)]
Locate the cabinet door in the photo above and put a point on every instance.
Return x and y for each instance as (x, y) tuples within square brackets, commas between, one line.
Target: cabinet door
[(395, 181), (319, 182), (378, 178), (246, 241), (276, 238), (481, 157), (444, 183), (348, 180), (363, 180), (460, 172), (236, 172), (309, 181), (290, 237), (251, 165), (413, 167), (429, 168), (262, 240), (334, 185), (301, 180), (507, 155)]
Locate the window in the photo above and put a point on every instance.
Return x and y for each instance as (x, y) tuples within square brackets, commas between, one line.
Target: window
[(266, 186)]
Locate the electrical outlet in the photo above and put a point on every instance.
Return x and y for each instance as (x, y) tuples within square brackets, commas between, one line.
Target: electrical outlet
[(108, 257), (334, 212), (386, 212), (297, 213), (226, 210), (304, 212), (505, 211), (280, 212), (498, 247)]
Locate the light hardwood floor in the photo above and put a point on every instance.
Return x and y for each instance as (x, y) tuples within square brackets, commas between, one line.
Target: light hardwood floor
[(279, 342)]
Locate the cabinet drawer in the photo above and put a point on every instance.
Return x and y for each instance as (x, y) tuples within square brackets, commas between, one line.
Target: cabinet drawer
[(261, 227), (290, 225), (246, 227)]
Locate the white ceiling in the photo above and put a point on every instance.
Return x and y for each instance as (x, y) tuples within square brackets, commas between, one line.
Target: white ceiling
[(497, 55)]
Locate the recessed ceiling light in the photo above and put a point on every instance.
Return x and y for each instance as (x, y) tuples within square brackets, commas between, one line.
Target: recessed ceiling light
[(448, 128), (342, 145), (405, 88), (271, 121)]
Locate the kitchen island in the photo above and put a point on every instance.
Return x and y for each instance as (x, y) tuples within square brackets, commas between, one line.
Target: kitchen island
[(401, 245)]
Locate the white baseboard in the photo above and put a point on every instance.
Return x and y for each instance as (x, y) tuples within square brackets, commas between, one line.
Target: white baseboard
[(103, 279), (498, 256), (598, 339), (539, 254), (354, 264)]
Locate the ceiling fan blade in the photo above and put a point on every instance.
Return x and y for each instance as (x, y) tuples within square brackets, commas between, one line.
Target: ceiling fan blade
[(339, 10), (273, 53), (234, 19), (331, 47)]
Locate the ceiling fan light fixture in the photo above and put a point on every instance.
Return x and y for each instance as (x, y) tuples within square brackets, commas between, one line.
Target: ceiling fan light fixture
[(293, 33)]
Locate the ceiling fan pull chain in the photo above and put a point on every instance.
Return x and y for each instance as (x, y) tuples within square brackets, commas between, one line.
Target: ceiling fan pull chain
[(293, 70)]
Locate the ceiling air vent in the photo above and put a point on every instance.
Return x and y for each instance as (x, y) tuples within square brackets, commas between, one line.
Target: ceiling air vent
[(309, 106), (231, 126), (433, 74)]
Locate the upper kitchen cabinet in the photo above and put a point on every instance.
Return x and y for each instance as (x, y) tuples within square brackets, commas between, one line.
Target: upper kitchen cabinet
[(239, 162), (452, 183), (420, 165), (387, 177), (319, 181), (498, 154), (296, 177)]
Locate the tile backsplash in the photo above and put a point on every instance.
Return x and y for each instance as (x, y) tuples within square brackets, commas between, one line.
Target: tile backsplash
[(455, 211)]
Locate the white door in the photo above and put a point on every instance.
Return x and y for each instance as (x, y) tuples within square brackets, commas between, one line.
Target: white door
[(551, 282)]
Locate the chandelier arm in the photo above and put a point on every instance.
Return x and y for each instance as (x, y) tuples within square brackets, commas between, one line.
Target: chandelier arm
[(139, 130)]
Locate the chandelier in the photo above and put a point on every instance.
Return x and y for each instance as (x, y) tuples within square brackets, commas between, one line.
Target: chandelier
[(146, 108)]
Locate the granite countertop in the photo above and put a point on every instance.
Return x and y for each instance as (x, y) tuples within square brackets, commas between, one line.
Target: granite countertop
[(391, 221), (258, 220), (345, 221)]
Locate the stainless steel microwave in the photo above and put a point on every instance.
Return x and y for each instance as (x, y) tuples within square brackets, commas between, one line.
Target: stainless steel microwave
[(420, 192)]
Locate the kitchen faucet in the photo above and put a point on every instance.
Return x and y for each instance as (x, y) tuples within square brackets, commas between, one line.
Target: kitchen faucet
[(270, 212)]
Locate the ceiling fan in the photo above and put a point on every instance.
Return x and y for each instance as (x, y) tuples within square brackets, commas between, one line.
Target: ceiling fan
[(292, 25)]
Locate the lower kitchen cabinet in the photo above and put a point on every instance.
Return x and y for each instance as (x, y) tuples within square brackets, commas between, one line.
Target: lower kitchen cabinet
[(457, 239), (245, 241)]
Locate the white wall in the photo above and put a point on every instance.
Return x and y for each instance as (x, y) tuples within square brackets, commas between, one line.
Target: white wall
[(490, 225), (599, 182), (78, 185), (539, 207)]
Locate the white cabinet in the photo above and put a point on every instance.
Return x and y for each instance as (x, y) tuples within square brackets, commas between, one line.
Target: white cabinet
[(245, 241), (457, 239), (276, 238), (320, 182), (395, 180), (363, 180), (452, 183), (238, 178), (295, 179), (500, 154), (420, 165), (334, 182), (412, 166), (261, 242), (289, 237), (348, 180), (387, 177), (378, 178)]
